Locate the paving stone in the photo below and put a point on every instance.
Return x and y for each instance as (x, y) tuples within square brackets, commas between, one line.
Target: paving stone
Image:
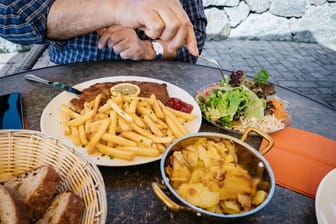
[(5, 68)]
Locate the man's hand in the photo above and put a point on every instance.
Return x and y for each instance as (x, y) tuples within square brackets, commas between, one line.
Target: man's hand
[(124, 41), (165, 20)]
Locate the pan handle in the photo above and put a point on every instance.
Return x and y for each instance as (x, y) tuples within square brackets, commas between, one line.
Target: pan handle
[(270, 141), (158, 189)]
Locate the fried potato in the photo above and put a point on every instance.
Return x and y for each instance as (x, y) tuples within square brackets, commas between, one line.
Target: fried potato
[(124, 127), (207, 174)]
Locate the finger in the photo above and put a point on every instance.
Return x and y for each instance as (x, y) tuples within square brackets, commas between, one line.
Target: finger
[(111, 43), (114, 40), (153, 25), (103, 41), (188, 38), (178, 40), (133, 52), (120, 47), (185, 33), (192, 42), (101, 31), (172, 24), (130, 54)]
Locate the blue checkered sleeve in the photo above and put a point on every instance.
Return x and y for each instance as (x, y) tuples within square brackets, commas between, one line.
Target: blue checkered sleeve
[(24, 21)]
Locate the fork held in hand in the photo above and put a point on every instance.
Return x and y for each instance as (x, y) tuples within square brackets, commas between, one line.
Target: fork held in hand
[(211, 60)]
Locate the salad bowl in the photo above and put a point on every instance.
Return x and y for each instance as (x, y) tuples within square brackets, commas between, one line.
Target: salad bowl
[(237, 103)]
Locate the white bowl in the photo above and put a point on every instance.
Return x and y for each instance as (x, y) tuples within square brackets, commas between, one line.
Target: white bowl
[(325, 202)]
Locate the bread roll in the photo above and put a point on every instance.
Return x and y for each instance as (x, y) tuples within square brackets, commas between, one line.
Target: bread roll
[(13, 210), (66, 208), (37, 187)]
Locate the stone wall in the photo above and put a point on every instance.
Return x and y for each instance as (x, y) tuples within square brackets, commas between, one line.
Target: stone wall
[(284, 20), (9, 47)]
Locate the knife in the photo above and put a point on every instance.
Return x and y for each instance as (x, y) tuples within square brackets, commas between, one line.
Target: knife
[(58, 85)]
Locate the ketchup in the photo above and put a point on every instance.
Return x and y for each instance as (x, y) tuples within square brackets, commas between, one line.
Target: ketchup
[(178, 104)]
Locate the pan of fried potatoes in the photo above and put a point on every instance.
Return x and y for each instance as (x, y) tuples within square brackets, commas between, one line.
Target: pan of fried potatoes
[(216, 175)]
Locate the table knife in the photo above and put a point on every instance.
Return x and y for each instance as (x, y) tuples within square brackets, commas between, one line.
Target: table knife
[(58, 85)]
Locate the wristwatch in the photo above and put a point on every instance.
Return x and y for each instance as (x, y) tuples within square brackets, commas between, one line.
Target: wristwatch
[(158, 49)]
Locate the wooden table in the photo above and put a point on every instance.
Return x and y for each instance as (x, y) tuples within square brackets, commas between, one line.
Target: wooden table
[(129, 193)]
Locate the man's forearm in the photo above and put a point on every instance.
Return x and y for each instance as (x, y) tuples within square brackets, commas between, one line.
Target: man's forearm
[(68, 19), (165, 20)]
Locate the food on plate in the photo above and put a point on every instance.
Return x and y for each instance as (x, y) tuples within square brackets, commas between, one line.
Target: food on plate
[(237, 103), (178, 104), (33, 196), (37, 187), (90, 93), (207, 173), (125, 89), (66, 207), (13, 209), (125, 126)]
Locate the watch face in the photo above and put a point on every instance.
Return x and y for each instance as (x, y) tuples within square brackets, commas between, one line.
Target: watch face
[(158, 49)]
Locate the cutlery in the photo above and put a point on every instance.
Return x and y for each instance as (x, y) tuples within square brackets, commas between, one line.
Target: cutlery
[(211, 60), (58, 85)]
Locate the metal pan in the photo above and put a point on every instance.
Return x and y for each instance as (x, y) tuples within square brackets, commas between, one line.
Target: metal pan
[(250, 158)]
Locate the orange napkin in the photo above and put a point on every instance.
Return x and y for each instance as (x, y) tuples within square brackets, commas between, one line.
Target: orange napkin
[(300, 159)]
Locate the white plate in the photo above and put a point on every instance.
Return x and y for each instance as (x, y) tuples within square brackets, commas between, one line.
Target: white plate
[(325, 201), (51, 123)]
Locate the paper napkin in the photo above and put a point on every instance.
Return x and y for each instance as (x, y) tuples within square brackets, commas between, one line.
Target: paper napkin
[(300, 159)]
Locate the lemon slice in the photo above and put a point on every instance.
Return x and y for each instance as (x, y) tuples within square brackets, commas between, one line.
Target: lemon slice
[(125, 89)]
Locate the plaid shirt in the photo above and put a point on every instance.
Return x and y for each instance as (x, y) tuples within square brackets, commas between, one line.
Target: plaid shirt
[(25, 22)]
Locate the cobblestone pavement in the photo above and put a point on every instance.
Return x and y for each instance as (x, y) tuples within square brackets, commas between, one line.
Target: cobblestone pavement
[(8, 62), (309, 69)]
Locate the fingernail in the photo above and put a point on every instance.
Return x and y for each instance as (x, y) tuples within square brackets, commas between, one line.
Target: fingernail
[(196, 52)]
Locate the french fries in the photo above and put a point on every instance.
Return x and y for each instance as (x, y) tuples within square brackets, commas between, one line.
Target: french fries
[(125, 126)]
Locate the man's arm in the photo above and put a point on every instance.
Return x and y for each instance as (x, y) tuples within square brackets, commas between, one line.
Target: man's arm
[(69, 19), (31, 21), (164, 20)]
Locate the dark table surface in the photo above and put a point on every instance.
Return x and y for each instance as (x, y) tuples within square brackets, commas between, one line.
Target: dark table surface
[(129, 193)]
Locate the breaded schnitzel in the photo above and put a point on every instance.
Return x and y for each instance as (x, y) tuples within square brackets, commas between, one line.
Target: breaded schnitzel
[(90, 93)]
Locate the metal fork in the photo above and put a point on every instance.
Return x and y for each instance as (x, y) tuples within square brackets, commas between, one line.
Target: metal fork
[(212, 60)]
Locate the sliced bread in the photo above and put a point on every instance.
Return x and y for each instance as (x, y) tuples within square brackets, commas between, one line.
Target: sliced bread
[(13, 209), (66, 208), (37, 187)]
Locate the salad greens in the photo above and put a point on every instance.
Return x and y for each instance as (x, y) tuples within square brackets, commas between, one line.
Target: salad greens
[(226, 102), (262, 76)]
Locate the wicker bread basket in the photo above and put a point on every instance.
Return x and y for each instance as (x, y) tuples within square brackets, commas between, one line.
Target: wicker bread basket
[(23, 150)]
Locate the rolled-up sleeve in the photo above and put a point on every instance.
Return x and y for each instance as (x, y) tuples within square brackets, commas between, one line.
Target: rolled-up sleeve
[(24, 21)]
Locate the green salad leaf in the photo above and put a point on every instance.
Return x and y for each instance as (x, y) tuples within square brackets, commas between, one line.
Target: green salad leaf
[(262, 77), (235, 97), (223, 105)]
